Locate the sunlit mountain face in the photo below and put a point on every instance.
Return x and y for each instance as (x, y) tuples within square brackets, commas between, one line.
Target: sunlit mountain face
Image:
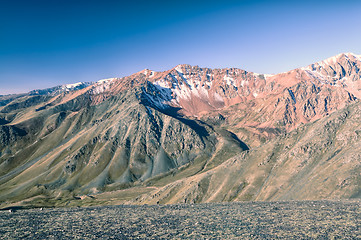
[(186, 135)]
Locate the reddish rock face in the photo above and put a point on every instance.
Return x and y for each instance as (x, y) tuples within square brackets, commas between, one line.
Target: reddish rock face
[(116, 133), (247, 99)]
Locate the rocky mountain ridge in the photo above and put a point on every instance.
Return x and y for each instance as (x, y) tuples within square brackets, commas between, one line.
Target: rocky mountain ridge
[(188, 130)]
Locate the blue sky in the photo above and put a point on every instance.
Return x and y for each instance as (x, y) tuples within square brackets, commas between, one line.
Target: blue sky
[(53, 42)]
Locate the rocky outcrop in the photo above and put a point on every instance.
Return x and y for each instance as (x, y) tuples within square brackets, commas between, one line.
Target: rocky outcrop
[(10, 134)]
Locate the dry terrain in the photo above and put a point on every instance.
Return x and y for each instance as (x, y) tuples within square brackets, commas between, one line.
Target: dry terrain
[(186, 135), (241, 220)]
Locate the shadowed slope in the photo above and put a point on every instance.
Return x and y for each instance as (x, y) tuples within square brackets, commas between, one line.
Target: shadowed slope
[(319, 160), (180, 135), (75, 148)]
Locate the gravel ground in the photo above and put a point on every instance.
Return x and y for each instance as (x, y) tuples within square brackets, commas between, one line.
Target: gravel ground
[(246, 220)]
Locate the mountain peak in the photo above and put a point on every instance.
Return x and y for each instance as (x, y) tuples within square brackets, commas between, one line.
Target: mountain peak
[(341, 56), (349, 54), (181, 67), (178, 127)]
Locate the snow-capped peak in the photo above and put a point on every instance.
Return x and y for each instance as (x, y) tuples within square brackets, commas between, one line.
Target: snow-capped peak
[(354, 55), (178, 68), (102, 85), (181, 67), (336, 58), (332, 60), (349, 54), (73, 85)]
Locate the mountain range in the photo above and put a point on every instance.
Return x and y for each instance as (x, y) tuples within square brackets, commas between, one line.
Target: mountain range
[(186, 135)]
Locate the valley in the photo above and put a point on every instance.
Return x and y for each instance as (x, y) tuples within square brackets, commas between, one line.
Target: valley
[(186, 135)]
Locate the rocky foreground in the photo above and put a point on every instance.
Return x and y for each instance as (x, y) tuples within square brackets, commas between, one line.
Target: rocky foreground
[(242, 220)]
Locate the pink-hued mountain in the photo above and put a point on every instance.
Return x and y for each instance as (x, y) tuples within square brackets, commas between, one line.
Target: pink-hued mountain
[(145, 137), (258, 103)]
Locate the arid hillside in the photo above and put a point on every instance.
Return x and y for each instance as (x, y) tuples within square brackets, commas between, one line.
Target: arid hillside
[(186, 135)]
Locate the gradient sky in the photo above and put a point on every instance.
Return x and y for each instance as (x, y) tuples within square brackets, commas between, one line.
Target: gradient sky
[(44, 43)]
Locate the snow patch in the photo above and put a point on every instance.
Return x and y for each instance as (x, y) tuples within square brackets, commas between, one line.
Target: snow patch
[(229, 81), (73, 85), (99, 89), (161, 83), (102, 85), (331, 60), (158, 96), (183, 88), (244, 82), (268, 75), (105, 80), (179, 68)]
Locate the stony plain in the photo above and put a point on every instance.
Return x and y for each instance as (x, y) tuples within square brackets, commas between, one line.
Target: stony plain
[(245, 220)]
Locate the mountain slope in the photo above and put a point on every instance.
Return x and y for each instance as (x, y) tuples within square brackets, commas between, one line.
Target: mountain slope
[(81, 148), (181, 135), (319, 160)]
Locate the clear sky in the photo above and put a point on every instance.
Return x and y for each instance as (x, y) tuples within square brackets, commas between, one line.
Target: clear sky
[(44, 43)]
